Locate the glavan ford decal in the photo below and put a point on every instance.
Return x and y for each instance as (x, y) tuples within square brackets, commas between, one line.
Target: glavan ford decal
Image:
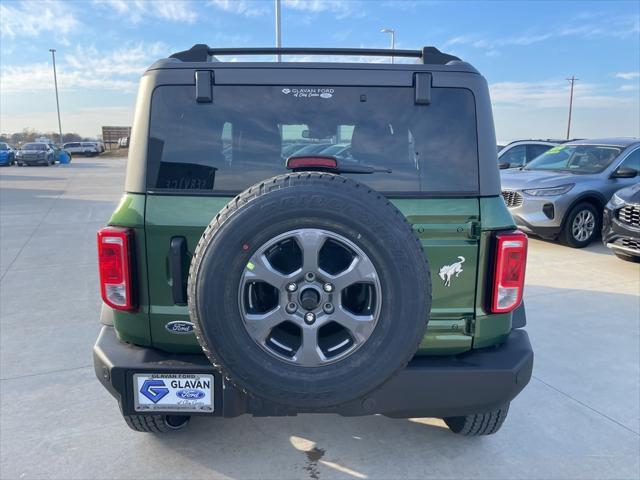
[(180, 327)]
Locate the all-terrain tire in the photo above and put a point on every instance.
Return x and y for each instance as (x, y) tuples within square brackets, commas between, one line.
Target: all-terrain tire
[(156, 423), (479, 423), (316, 201), (567, 237)]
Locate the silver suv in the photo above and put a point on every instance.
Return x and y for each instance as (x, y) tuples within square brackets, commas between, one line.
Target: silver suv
[(562, 193)]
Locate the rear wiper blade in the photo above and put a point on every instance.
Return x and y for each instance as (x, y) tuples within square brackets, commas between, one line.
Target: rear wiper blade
[(327, 163)]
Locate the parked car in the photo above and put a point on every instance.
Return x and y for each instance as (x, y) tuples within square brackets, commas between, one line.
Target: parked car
[(621, 223), (519, 153), (88, 149), (562, 193), (341, 151), (242, 284), (311, 149), (35, 154), (291, 148), (7, 154)]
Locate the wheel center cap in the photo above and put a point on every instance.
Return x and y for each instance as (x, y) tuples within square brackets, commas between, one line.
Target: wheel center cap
[(309, 299)]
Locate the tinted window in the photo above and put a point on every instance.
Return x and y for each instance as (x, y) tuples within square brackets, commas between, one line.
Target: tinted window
[(3, 146), (576, 158), (534, 151), (247, 133), (632, 161), (34, 146), (515, 156)]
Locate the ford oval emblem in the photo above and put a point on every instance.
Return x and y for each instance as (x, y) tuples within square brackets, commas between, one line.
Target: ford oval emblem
[(190, 394), (180, 327)]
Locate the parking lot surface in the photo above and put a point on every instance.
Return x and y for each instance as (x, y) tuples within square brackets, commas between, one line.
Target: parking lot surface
[(578, 418)]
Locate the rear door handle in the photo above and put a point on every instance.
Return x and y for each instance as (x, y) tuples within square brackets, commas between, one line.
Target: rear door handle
[(177, 265)]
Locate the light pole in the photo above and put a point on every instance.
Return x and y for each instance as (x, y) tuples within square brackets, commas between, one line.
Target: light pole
[(393, 39), (55, 82), (572, 81), (278, 29)]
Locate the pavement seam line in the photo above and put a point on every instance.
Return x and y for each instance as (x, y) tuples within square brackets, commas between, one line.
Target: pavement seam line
[(19, 377), (587, 406)]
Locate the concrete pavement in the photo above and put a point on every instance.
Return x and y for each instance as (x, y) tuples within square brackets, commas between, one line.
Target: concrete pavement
[(579, 417)]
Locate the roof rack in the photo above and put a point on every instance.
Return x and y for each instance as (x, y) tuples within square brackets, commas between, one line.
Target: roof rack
[(203, 53)]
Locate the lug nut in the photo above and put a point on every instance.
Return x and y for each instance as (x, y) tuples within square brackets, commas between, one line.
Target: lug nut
[(328, 308), (309, 318), (327, 287), (291, 307), (292, 287), (310, 277)]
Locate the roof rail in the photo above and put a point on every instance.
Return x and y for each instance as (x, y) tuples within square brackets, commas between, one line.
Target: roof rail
[(203, 53)]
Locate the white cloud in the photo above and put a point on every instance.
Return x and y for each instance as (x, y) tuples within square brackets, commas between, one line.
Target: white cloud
[(84, 68), (341, 8), (628, 88), (247, 8), (134, 11), (32, 18), (618, 27), (551, 94), (627, 75)]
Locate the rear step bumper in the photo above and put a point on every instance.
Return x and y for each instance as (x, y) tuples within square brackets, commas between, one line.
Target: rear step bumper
[(474, 382)]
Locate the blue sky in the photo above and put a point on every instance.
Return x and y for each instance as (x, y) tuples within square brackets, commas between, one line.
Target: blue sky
[(526, 50)]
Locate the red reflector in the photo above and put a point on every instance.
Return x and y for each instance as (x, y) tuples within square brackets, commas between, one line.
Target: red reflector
[(114, 263), (311, 162), (509, 270)]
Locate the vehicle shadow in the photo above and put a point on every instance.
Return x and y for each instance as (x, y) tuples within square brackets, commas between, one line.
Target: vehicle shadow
[(312, 446), (594, 247)]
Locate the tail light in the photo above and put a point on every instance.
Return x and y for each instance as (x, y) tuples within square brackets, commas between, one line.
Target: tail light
[(508, 277), (114, 260)]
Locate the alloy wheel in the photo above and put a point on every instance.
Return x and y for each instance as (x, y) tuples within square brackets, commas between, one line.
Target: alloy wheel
[(310, 297)]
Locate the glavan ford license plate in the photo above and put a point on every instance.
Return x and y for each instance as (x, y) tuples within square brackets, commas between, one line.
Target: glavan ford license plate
[(173, 392)]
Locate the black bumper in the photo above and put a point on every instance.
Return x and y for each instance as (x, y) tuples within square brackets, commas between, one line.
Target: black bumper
[(474, 382)]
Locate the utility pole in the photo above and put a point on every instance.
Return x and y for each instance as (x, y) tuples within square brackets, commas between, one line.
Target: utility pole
[(55, 82), (278, 29), (572, 81), (393, 40)]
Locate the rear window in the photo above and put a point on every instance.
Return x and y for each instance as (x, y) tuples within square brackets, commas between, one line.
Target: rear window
[(34, 146), (248, 132)]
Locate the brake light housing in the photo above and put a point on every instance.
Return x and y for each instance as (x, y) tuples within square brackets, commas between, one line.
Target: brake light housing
[(312, 162), (115, 263), (509, 271)]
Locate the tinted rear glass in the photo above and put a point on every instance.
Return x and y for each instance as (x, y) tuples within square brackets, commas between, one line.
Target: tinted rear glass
[(34, 146), (247, 133)]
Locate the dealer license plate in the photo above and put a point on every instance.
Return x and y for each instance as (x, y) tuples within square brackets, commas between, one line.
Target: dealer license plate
[(173, 392)]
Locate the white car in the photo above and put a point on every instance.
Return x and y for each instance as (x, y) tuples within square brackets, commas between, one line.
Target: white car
[(88, 149)]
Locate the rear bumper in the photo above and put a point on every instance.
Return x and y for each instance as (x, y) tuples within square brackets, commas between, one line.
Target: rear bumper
[(474, 382)]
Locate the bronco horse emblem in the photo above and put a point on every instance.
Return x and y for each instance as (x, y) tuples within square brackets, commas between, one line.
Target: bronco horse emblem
[(448, 271)]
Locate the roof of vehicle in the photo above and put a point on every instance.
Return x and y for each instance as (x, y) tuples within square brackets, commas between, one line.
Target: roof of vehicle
[(201, 53), (545, 140), (614, 141)]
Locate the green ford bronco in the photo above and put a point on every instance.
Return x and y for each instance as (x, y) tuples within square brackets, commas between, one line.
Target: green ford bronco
[(312, 237)]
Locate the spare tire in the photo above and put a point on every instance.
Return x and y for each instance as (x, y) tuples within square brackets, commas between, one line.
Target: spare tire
[(309, 290)]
